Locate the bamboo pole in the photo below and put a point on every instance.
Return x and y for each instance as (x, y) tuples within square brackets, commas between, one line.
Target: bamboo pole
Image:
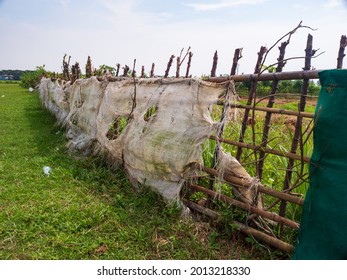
[(266, 150), (273, 110), (244, 184), (212, 215), (263, 237), (290, 75), (247, 207)]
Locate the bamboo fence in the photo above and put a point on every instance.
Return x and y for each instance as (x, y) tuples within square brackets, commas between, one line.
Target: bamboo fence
[(294, 156), (276, 224)]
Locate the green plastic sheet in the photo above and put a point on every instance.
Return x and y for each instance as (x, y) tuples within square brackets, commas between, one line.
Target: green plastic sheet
[(323, 231)]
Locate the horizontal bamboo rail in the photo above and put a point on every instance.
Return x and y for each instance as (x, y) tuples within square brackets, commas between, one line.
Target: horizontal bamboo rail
[(263, 237), (266, 150), (271, 110), (244, 184), (247, 207), (293, 75)]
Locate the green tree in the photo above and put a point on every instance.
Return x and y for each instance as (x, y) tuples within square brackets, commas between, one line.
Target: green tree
[(106, 68), (314, 88), (297, 86), (32, 78)]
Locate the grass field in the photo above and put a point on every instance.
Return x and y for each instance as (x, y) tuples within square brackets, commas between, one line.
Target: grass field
[(83, 210)]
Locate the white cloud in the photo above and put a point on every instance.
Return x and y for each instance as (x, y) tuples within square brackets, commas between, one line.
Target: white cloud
[(64, 3), (333, 3), (119, 10), (222, 4)]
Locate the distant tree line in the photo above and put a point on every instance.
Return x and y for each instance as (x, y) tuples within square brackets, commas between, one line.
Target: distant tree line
[(13, 74)]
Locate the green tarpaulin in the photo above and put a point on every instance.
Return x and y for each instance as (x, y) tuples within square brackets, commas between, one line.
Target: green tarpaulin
[(323, 232)]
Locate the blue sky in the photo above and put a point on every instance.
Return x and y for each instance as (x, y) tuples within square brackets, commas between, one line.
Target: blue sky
[(40, 32)]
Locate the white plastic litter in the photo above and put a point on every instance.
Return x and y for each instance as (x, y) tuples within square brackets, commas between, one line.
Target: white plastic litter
[(31, 89), (47, 170)]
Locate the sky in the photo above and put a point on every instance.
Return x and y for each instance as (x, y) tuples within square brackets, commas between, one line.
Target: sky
[(39, 32)]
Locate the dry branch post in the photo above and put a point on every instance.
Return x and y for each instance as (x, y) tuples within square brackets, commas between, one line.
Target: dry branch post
[(89, 70), (251, 96), (237, 57), (190, 55), (288, 35), (66, 70), (169, 66), (178, 65), (151, 74), (117, 69), (125, 70), (341, 53), (298, 132), (214, 64), (180, 60), (271, 101), (75, 72)]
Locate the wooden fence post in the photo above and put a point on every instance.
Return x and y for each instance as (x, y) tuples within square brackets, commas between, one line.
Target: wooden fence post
[(266, 127), (89, 68), (117, 69), (214, 64), (237, 57), (151, 74), (169, 66), (251, 96), (190, 55), (341, 54), (309, 52)]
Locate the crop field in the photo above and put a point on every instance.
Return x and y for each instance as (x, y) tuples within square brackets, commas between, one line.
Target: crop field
[(85, 210)]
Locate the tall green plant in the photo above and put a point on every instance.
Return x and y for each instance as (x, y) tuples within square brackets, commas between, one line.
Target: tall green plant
[(32, 78)]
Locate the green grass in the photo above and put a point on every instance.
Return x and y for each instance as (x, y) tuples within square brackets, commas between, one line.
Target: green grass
[(84, 210)]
